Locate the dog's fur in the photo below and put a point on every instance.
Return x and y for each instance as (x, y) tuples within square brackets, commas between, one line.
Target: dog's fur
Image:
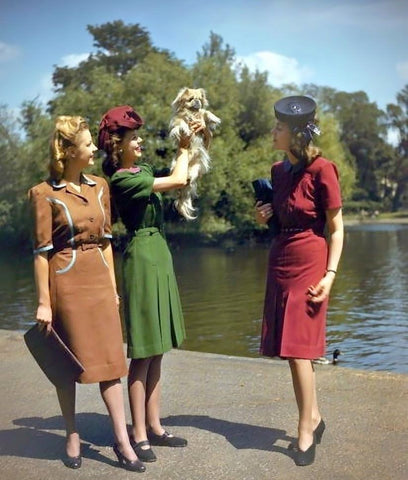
[(189, 106)]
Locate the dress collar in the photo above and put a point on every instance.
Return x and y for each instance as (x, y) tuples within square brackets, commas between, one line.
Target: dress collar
[(83, 179), (130, 170), (293, 169)]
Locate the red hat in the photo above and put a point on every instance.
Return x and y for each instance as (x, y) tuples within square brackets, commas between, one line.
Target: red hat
[(113, 120)]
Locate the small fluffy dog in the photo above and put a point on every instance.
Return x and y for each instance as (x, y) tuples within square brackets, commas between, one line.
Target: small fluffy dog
[(189, 106)]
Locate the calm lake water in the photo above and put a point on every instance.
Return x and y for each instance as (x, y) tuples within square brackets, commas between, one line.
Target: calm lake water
[(222, 295)]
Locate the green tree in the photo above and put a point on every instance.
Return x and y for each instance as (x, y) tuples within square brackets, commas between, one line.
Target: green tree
[(398, 120), (362, 130), (214, 71), (334, 150), (119, 48), (10, 145), (257, 98), (22, 164), (127, 68)]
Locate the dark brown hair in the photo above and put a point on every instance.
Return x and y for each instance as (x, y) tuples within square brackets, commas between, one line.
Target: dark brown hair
[(111, 163)]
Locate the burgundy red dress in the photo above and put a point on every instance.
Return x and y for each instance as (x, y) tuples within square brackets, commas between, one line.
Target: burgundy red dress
[(293, 327)]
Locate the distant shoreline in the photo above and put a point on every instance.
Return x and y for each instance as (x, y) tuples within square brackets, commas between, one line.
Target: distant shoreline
[(350, 221)]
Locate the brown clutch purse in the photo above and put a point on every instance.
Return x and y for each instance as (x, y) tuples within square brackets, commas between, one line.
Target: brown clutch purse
[(54, 358)]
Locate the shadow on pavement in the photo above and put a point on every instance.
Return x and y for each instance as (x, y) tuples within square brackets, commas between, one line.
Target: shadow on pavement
[(34, 440), (240, 435)]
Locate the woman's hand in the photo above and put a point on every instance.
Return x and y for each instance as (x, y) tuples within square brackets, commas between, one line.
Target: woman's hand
[(195, 127), (317, 293), (44, 316), (263, 212)]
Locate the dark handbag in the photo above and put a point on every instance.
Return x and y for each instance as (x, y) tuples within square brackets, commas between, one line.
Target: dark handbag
[(54, 358), (264, 193), (263, 190)]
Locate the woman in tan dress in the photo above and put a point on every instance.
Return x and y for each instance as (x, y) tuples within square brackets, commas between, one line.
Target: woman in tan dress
[(74, 274)]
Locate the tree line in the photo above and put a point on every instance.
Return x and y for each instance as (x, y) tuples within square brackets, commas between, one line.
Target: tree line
[(126, 68)]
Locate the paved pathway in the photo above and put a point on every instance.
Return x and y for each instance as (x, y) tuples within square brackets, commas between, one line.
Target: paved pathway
[(238, 414)]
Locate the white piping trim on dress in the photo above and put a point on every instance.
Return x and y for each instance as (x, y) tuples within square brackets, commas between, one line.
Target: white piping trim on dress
[(71, 227), (43, 249), (88, 180), (103, 257), (103, 212)]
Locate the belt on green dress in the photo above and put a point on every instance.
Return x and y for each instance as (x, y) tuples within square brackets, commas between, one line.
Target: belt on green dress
[(146, 232)]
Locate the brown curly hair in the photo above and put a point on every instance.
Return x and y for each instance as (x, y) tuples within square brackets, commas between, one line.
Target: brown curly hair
[(112, 161)]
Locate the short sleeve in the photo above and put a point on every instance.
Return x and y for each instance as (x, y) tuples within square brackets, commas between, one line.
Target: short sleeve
[(133, 186), (329, 187), (42, 221), (106, 207)]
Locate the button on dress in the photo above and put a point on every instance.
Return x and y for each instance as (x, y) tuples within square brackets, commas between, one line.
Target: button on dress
[(294, 327), (153, 315), (70, 226)]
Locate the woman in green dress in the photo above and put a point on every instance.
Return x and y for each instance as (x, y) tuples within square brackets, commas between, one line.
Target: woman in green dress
[(153, 315)]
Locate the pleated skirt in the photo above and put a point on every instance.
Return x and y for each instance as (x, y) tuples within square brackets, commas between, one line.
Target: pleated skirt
[(294, 327), (153, 315)]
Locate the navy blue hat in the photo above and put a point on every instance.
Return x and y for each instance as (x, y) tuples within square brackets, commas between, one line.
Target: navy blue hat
[(296, 111)]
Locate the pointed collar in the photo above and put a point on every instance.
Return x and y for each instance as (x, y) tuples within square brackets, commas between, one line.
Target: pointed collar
[(83, 179)]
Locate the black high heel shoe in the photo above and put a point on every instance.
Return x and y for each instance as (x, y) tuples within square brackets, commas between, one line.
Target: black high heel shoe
[(318, 431), (307, 457), (166, 440), (144, 454), (132, 465), (73, 462)]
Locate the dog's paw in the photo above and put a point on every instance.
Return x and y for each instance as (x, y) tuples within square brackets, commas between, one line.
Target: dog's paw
[(176, 133), (212, 120)]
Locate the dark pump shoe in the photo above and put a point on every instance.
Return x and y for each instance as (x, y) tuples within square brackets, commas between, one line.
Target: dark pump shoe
[(133, 466), (318, 431), (307, 457), (73, 462), (144, 454), (166, 440)]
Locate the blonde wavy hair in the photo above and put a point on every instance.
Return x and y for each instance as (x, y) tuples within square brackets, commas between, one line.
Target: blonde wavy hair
[(64, 135)]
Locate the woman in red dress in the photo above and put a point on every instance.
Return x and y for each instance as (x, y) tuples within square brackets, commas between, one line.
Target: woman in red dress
[(302, 262)]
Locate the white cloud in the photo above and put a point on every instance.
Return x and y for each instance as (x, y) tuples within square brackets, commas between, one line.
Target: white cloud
[(280, 69), (73, 60), (8, 52), (45, 90), (402, 70)]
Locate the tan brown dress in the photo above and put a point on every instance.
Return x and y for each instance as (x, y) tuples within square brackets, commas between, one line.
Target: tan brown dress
[(70, 226)]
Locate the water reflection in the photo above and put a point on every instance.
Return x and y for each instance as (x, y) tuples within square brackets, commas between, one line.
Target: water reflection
[(222, 295)]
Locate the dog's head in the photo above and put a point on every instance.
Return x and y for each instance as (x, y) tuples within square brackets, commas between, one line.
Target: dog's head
[(190, 99)]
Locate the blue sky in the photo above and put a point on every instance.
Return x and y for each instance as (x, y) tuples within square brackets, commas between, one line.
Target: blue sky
[(349, 45)]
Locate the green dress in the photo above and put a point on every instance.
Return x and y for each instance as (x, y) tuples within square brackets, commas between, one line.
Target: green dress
[(153, 315)]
